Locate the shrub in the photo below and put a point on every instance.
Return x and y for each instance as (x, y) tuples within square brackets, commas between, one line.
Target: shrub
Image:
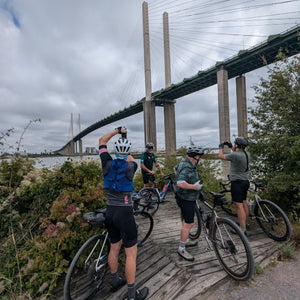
[(42, 223)]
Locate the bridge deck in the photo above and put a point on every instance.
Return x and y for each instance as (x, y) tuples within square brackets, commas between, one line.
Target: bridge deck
[(170, 277)]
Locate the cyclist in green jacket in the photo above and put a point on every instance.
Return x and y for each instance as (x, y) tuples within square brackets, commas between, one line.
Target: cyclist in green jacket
[(147, 160), (188, 183)]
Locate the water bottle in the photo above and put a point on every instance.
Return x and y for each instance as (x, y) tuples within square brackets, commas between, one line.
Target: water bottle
[(251, 207)]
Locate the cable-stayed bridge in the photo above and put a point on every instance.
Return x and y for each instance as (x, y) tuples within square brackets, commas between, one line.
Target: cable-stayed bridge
[(245, 61)]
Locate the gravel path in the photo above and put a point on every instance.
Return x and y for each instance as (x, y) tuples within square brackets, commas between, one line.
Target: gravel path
[(279, 281)]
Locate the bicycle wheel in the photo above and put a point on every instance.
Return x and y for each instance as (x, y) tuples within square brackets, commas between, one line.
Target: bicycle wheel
[(144, 224), (87, 274), (149, 199), (196, 230), (232, 249), (273, 221)]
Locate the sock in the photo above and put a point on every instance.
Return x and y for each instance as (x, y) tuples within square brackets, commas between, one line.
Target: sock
[(131, 291), (243, 227), (114, 275), (181, 246)]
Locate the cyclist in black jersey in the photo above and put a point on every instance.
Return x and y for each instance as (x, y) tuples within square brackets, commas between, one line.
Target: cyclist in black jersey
[(147, 160), (118, 184)]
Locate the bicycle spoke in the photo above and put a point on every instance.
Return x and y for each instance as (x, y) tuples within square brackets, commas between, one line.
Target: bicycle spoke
[(87, 273), (149, 199), (232, 249), (273, 221)]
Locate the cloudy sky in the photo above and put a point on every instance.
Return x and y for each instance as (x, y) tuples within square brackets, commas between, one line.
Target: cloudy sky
[(59, 57)]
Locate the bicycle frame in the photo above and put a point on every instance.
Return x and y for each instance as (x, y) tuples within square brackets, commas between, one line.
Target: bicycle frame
[(100, 256)]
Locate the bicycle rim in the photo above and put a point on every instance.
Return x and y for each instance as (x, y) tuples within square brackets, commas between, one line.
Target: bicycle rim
[(87, 274), (144, 225), (196, 229), (150, 200), (273, 221), (232, 249)]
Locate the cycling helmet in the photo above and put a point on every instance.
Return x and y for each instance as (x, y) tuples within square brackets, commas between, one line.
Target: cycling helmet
[(194, 150), (122, 148), (149, 145), (241, 142)]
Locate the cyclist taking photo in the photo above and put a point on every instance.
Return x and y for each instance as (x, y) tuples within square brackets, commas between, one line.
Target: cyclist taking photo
[(188, 183), (147, 160), (118, 184), (239, 176)]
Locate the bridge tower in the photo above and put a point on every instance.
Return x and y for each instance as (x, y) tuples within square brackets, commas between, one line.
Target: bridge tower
[(149, 105), (169, 107)]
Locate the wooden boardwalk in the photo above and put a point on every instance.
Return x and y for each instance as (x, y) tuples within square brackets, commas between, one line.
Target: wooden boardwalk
[(168, 276)]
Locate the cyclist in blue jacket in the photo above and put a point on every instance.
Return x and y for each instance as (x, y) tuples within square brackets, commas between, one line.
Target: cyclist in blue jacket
[(118, 184)]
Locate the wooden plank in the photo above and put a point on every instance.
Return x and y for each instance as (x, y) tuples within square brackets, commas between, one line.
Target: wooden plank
[(173, 287)]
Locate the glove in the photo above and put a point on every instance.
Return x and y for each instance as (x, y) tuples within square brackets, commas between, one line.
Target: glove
[(221, 146), (198, 186), (228, 144)]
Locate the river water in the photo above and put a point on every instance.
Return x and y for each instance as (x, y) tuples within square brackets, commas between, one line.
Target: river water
[(50, 162)]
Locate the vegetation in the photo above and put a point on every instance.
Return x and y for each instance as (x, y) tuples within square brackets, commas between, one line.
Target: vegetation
[(275, 133), (41, 224)]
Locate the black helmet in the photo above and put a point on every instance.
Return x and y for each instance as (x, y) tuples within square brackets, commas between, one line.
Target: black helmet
[(194, 150), (241, 142), (149, 145)]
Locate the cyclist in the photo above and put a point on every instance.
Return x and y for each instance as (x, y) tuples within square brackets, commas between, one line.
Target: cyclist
[(239, 176), (118, 184), (147, 160), (189, 186)]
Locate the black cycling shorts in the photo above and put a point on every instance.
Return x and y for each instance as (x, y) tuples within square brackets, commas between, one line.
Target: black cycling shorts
[(239, 190), (121, 225), (187, 210), (148, 177)]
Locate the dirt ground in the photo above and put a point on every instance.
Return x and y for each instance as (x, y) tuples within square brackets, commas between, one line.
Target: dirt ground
[(280, 280)]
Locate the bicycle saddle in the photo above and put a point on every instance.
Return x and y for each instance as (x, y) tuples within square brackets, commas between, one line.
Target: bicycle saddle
[(95, 218)]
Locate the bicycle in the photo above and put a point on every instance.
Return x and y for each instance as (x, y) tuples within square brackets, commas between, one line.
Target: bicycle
[(88, 273), (269, 216), (224, 237), (151, 197)]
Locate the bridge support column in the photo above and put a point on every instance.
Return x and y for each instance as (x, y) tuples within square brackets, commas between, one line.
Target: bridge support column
[(80, 147), (169, 108), (241, 102), (170, 128), (223, 100), (149, 105), (150, 123)]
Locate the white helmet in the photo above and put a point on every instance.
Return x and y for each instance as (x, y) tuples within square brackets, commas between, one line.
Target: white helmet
[(122, 148)]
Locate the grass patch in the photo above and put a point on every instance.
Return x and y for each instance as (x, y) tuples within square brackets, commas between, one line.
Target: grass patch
[(287, 251)]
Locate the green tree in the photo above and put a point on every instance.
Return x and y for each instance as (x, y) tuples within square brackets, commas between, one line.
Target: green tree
[(275, 133)]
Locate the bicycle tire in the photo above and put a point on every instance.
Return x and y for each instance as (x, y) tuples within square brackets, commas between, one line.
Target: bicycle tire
[(83, 281), (196, 229), (150, 200), (277, 226), (144, 224), (232, 249)]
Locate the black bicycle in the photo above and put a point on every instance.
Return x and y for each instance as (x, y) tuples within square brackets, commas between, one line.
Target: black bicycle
[(269, 216), (222, 235), (88, 271), (151, 197)]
